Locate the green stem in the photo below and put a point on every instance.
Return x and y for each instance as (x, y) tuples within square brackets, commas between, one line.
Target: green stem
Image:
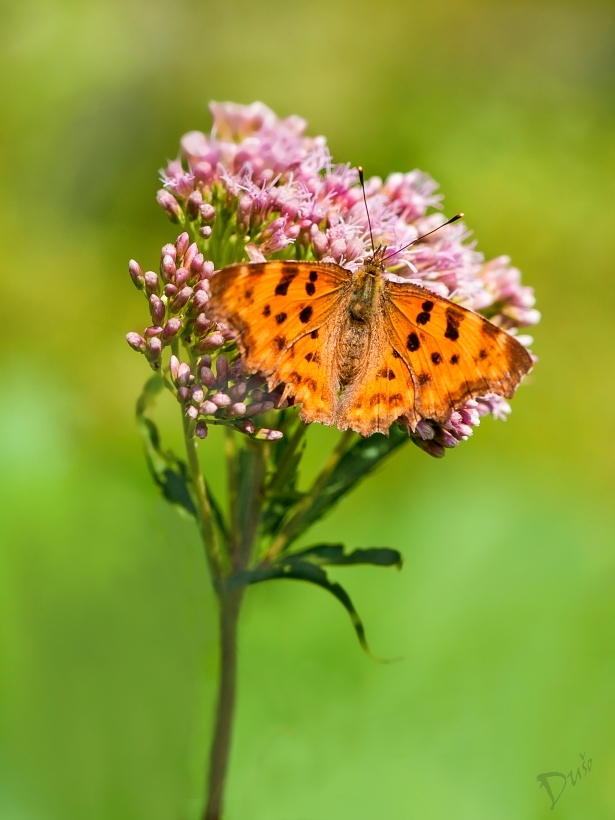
[(288, 532), (203, 505), (230, 604)]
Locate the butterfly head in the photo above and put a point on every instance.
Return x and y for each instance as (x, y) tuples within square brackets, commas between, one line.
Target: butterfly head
[(374, 265)]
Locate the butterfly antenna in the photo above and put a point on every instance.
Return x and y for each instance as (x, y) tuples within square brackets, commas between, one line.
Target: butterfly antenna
[(444, 224), (369, 222)]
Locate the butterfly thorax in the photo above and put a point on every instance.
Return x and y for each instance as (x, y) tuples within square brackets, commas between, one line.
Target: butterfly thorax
[(355, 337)]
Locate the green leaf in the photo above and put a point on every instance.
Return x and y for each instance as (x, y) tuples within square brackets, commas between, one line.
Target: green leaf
[(295, 567), (333, 554), (168, 471)]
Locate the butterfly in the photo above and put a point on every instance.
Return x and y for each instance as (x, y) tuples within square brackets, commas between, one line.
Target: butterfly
[(357, 350)]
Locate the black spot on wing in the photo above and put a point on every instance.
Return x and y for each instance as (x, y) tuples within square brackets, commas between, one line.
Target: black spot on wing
[(306, 314), (266, 310), (310, 288), (281, 289), (455, 359), (412, 342), (427, 305), (424, 378), (436, 358), (314, 334), (280, 342), (482, 354), (423, 318), (453, 320), (313, 276), (281, 317)]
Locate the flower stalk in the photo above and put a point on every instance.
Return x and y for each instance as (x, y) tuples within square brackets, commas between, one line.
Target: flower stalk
[(257, 189)]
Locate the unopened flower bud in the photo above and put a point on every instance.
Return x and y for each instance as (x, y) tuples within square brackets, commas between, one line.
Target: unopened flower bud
[(190, 254), (196, 394), (204, 361), (425, 430), (192, 412), (237, 409), (208, 408), (169, 204), (244, 211), (153, 349), (246, 426), (167, 267), (293, 231), (221, 399), (200, 300), (207, 377), (201, 324), (156, 330), (180, 300), (203, 172), (196, 266), (183, 374), (183, 394), (208, 270), (136, 274), (210, 342), (156, 309), (207, 213), (174, 367), (136, 341), (222, 369), (181, 277), (170, 291), (194, 202), (205, 231), (151, 282), (319, 241), (432, 448), (181, 244), (269, 435), (259, 407), (238, 390), (201, 430), (168, 250), (171, 329)]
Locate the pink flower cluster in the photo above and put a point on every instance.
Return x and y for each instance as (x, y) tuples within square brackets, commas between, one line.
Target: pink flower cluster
[(257, 187)]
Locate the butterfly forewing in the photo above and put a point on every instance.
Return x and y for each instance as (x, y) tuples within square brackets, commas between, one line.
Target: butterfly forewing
[(286, 315)]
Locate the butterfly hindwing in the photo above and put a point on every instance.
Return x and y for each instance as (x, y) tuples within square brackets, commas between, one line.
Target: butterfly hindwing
[(453, 353), (382, 391)]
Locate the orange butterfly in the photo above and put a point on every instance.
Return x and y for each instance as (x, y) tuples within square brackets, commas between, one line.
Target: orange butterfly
[(359, 351)]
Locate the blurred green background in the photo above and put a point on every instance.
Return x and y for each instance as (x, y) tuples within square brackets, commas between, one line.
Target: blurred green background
[(504, 612)]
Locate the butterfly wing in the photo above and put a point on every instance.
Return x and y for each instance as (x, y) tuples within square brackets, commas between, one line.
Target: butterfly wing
[(452, 353), (287, 315)]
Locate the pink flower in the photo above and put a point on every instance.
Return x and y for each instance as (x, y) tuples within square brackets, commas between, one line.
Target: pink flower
[(288, 197)]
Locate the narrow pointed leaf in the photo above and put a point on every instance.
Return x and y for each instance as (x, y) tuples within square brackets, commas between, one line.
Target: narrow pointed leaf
[(306, 571), (333, 554)]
